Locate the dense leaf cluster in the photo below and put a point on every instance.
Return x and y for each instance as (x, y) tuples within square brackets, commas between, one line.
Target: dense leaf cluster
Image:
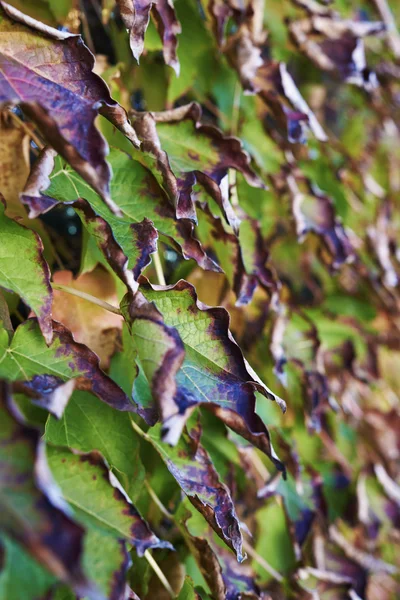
[(199, 300)]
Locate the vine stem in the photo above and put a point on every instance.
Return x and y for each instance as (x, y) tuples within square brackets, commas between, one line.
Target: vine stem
[(159, 573), (27, 129), (159, 269), (88, 297)]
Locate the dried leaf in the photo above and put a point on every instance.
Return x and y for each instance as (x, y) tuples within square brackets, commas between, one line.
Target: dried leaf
[(91, 325)]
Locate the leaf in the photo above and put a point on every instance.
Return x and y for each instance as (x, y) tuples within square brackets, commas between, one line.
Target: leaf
[(31, 281), (14, 161), (336, 45), (62, 95), (21, 576), (186, 151), (314, 211), (245, 50), (32, 510), (136, 15), (93, 326), (226, 578), (107, 560), (192, 468), (28, 356), (126, 242), (98, 499), (160, 355), (88, 424), (214, 372)]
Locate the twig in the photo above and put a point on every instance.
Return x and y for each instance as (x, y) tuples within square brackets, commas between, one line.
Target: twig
[(88, 297), (158, 502), (262, 562), (159, 573), (27, 129), (388, 19), (159, 269)]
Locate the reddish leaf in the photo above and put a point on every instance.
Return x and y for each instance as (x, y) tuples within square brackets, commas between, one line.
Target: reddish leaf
[(62, 95)]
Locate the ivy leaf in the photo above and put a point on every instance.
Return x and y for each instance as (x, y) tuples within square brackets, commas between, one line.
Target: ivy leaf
[(314, 211), (62, 94), (136, 16), (31, 281), (160, 353), (28, 356), (214, 372), (192, 467), (337, 45), (88, 424), (21, 576), (245, 50), (98, 499), (126, 242), (32, 510), (186, 151)]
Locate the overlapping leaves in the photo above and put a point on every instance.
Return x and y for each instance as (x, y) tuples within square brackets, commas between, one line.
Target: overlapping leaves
[(308, 270)]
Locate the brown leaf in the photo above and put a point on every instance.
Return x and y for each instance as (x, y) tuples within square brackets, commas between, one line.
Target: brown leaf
[(136, 16), (91, 325), (337, 46)]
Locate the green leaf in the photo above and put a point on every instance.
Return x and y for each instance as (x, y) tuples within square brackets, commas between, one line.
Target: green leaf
[(21, 576), (31, 280), (98, 500), (27, 358), (88, 424)]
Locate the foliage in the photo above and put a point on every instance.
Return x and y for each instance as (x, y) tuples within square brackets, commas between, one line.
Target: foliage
[(199, 299)]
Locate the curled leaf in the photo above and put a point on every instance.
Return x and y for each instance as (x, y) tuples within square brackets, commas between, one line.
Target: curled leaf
[(337, 45), (32, 510), (62, 94), (214, 372), (126, 242), (192, 468), (187, 151)]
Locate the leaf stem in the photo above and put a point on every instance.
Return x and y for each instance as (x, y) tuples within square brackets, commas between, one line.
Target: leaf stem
[(158, 502), (159, 269), (159, 573), (27, 129), (262, 562), (139, 431), (249, 549), (88, 297)]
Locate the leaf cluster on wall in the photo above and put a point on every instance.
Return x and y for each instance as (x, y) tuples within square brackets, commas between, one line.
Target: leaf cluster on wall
[(199, 300)]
